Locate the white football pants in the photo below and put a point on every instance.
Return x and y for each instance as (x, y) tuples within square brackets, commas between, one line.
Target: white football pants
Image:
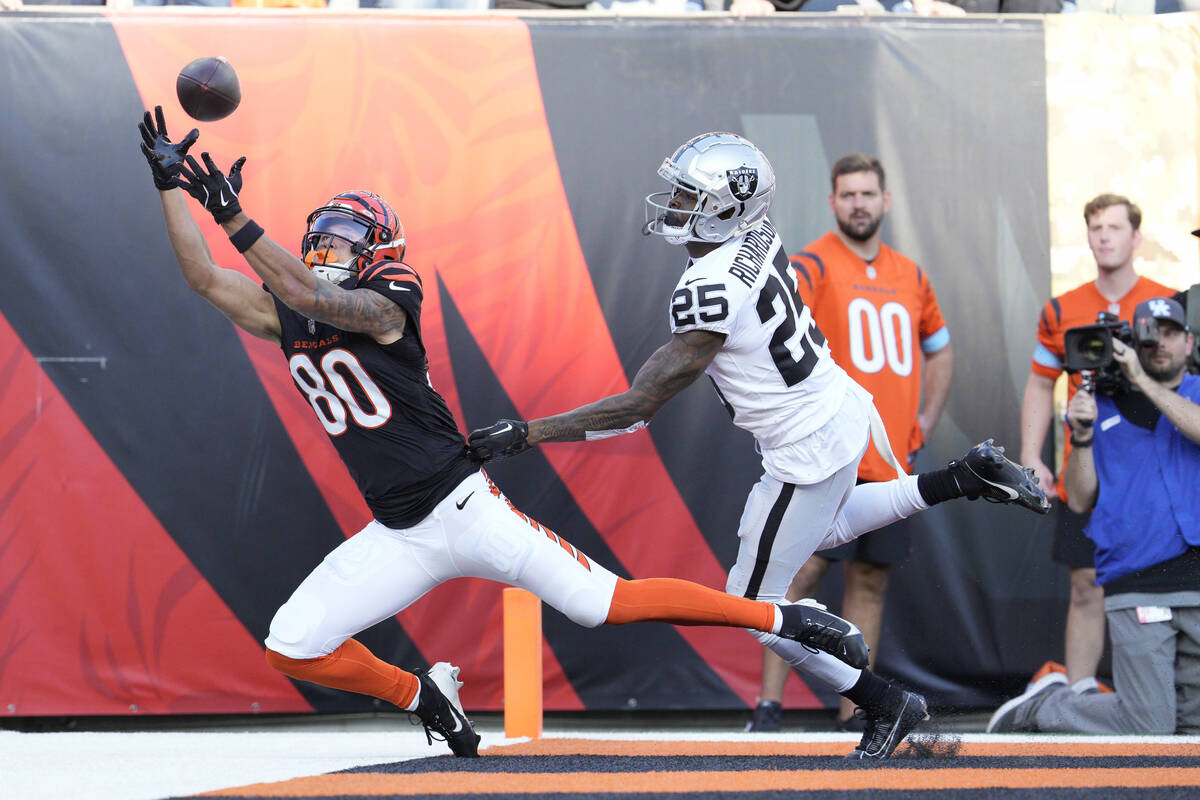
[(783, 524), (474, 533)]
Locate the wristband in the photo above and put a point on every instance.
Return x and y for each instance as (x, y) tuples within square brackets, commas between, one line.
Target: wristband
[(1078, 444), (246, 236)]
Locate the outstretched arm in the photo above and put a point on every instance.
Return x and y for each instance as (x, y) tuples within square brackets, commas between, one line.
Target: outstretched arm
[(361, 310), (665, 374), (671, 369), (233, 294)]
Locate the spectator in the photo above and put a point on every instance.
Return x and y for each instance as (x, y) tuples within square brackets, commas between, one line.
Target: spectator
[(1113, 234), (1136, 465), (657, 6), (925, 8), (873, 305), (461, 5)]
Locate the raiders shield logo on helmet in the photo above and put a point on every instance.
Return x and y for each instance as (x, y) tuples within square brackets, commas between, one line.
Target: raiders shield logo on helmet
[(743, 182)]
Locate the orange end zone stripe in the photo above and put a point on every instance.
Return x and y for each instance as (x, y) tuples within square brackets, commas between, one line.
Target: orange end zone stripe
[(612, 747), (539, 783)]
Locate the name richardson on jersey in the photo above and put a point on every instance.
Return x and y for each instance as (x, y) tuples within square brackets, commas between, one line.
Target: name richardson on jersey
[(314, 344), (753, 253)]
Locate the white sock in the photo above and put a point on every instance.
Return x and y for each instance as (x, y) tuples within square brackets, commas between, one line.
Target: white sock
[(416, 699), (872, 506)]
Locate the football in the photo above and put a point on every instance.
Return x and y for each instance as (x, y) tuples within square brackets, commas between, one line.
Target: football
[(208, 88)]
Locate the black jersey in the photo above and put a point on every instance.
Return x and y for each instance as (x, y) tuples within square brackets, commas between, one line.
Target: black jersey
[(393, 431)]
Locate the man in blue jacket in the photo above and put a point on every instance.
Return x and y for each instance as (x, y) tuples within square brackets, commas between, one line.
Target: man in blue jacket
[(1136, 465)]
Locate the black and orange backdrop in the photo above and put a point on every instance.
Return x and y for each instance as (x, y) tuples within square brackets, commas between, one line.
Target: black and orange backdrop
[(163, 487)]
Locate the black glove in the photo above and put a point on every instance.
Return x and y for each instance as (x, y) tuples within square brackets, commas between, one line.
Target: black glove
[(217, 191), (164, 156), (503, 439)]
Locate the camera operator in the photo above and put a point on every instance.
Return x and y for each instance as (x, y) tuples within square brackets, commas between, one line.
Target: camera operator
[(1136, 465)]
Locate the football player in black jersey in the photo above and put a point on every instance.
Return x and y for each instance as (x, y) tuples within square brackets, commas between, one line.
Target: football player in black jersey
[(347, 316)]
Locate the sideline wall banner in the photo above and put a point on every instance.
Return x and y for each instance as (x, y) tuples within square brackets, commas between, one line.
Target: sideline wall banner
[(163, 487)]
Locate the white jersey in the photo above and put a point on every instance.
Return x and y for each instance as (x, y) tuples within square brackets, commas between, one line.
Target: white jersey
[(774, 372)]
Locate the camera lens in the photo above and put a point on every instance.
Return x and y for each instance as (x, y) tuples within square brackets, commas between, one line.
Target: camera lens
[(1092, 349)]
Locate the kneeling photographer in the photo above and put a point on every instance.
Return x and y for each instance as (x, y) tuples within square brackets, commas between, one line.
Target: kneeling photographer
[(1136, 465)]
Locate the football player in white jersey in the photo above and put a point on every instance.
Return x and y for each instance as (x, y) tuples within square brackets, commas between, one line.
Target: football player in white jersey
[(736, 315)]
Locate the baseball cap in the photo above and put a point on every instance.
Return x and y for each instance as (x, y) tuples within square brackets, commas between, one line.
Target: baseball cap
[(1161, 308)]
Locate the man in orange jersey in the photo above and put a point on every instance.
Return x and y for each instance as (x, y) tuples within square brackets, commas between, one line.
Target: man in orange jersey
[(875, 307), (1113, 234)]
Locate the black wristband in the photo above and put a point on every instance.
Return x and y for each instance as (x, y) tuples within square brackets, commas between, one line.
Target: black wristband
[(1078, 444), (246, 236)]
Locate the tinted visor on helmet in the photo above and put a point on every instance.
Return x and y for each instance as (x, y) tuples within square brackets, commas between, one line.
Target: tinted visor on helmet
[(338, 224)]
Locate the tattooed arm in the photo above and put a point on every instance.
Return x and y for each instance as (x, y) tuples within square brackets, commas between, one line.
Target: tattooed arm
[(362, 310), (665, 374), (235, 295)]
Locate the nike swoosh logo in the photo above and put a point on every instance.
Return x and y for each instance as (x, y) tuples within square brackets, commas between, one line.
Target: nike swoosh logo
[(222, 197), (395, 287), (1012, 493), (464, 502), (693, 280), (507, 427)]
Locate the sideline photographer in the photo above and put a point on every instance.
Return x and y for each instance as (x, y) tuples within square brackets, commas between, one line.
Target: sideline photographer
[(1136, 463)]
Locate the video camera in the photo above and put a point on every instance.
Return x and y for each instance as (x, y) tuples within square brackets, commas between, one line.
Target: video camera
[(1089, 351)]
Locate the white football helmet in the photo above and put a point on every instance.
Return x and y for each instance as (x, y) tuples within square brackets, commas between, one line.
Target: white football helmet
[(732, 180)]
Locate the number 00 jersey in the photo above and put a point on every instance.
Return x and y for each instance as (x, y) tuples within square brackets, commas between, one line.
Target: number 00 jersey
[(774, 372), (876, 316), (392, 430)]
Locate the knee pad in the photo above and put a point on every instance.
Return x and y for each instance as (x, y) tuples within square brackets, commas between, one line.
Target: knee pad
[(737, 581), (500, 552), (295, 628), (587, 607)]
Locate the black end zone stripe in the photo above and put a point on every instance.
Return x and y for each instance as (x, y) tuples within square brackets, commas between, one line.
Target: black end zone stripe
[(903, 759), (767, 540)]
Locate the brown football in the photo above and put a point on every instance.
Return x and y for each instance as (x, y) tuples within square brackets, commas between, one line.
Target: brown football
[(208, 88)]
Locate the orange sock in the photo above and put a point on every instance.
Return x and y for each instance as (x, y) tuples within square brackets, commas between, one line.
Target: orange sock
[(685, 603), (351, 668)]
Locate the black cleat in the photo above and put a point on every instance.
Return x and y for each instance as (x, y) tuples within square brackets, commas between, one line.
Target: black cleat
[(985, 472), (807, 622), (767, 717), (441, 713), (886, 725)]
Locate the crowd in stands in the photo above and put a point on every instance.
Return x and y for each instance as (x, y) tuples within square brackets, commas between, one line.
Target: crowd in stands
[(934, 8)]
